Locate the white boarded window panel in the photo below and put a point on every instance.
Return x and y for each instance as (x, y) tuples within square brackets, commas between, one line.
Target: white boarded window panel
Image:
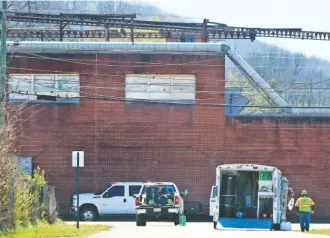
[(137, 95), (136, 88), (161, 87), (160, 96), (67, 85), (160, 84), (22, 84), (61, 85), (44, 84), (183, 96), (184, 85), (136, 84)]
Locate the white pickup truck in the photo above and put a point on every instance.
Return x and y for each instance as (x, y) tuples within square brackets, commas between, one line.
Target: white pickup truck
[(159, 201), (118, 199)]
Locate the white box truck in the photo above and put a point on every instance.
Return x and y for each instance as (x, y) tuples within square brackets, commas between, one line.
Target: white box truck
[(250, 196)]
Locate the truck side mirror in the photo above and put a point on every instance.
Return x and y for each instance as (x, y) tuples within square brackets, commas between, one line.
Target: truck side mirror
[(106, 195)]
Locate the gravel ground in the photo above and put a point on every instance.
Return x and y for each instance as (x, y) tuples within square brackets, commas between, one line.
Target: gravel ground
[(192, 230)]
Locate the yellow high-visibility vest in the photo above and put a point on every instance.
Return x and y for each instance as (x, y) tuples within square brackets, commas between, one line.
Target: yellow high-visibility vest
[(305, 204)]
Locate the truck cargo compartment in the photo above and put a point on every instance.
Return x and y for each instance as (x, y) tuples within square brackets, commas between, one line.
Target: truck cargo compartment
[(249, 196), (243, 195)]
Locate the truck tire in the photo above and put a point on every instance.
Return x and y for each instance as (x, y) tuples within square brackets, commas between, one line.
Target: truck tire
[(88, 213), (177, 220), (140, 220), (277, 227)]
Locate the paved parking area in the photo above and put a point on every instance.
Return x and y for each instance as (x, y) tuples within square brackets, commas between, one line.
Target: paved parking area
[(193, 230)]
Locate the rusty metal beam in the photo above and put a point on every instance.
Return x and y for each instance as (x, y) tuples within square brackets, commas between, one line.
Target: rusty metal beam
[(207, 30), (62, 26), (205, 33), (106, 35), (132, 30), (51, 34)]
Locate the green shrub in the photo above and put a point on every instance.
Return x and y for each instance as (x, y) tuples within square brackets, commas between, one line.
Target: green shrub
[(27, 194)]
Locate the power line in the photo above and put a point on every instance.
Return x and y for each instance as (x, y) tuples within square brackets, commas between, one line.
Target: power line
[(164, 76), (279, 51), (115, 65), (120, 85), (121, 99), (249, 54), (112, 98), (92, 64), (302, 86), (249, 95), (75, 61), (38, 56)]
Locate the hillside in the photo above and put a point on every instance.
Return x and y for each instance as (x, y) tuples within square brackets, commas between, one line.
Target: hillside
[(144, 11), (301, 81)]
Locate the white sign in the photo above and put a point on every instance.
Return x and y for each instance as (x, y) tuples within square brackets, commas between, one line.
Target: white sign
[(291, 204), (75, 158)]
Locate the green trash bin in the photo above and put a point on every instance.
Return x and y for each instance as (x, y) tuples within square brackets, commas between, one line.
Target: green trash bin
[(183, 220)]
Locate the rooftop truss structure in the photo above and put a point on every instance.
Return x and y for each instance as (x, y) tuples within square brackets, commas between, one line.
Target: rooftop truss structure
[(106, 26)]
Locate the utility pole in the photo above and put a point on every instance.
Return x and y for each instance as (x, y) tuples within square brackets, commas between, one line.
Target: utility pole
[(29, 6), (3, 60)]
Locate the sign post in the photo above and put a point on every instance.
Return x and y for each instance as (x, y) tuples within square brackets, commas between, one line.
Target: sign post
[(77, 161)]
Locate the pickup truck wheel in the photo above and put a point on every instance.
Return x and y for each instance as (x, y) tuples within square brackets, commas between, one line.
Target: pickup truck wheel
[(177, 220), (140, 220), (88, 214)]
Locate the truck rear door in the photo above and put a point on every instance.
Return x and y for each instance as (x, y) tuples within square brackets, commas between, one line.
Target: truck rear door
[(277, 197), (284, 197), (213, 199)]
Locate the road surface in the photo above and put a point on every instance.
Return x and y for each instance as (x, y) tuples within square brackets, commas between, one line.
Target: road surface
[(193, 230)]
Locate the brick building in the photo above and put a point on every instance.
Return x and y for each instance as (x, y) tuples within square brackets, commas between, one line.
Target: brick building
[(139, 141)]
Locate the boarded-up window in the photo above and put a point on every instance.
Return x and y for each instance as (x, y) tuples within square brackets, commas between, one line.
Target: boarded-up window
[(44, 84), (65, 88), (161, 88)]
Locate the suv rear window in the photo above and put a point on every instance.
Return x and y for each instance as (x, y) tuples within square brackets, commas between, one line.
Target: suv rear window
[(170, 189)]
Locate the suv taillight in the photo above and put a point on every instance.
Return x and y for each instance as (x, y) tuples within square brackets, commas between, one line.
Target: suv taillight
[(177, 200), (137, 200)]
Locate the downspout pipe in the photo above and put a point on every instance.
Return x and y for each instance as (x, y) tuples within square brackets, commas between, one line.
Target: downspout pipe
[(149, 48)]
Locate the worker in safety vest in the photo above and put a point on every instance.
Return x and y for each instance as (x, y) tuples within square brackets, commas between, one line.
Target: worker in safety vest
[(305, 207)]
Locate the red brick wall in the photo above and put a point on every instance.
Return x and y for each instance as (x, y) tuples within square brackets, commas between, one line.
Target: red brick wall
[(184, 144)]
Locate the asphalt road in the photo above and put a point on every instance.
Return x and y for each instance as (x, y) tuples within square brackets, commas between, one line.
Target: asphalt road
[(193, 230)]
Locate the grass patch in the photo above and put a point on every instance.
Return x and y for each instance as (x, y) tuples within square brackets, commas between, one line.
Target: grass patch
[(57, 230), (320, 232)]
